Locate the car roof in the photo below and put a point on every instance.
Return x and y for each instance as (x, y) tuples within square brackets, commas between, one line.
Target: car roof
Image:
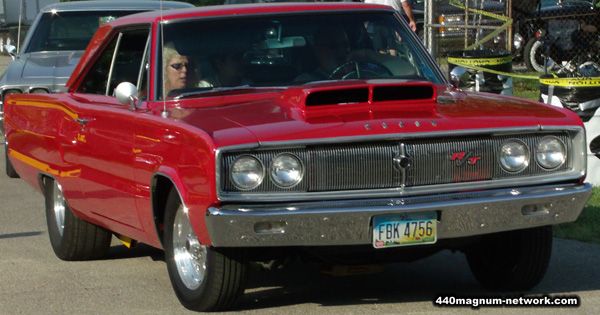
[(114, 5), (214, 11), (244, 9)]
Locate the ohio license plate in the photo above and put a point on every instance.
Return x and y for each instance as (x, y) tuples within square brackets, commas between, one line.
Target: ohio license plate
[(406, 229)]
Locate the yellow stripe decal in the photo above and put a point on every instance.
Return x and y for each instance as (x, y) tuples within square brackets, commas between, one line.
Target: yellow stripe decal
[(42, 166), (47, 105)]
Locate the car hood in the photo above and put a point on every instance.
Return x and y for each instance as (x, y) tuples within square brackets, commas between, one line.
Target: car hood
[(306, 113), (51, 64), (50, 69)]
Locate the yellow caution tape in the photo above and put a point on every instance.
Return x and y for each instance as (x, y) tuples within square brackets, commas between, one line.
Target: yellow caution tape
[(477, 63), (574, 82), (466, 63), (492, 61), (502, 28), (460, 5), (556, 81)]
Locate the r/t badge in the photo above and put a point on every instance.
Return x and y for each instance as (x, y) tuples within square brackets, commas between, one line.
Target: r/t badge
[(462, 158)]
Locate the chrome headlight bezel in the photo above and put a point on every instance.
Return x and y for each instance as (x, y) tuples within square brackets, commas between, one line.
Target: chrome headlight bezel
[(553, 160), (293, 164), (513, 162), (258, 173)]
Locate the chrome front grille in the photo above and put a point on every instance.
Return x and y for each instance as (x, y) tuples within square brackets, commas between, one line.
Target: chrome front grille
[(372, 166), (432, 162), (365, 166)]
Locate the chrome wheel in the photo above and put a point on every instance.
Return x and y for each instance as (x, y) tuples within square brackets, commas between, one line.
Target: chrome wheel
[(59, 208), (189, 255), (535, 58), (204, 278), (71, 237)]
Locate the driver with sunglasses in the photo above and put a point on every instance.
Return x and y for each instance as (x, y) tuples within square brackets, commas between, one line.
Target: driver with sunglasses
[(179, 73)]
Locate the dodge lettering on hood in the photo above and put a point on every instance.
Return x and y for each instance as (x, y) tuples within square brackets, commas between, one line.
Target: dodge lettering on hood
[(324, 132)]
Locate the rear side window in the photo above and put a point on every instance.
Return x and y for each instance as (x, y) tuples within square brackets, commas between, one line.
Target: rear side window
[(121, 61)]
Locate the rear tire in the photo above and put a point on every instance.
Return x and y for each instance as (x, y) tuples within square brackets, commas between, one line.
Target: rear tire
[(71, 237), (512, 261), (204, 278), (10, 170)]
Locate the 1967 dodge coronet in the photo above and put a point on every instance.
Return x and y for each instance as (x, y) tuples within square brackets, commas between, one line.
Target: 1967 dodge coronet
[(239, 135)]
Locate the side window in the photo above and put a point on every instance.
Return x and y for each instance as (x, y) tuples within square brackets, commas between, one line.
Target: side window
[(128, 60), (96, 79), (125, 53), (142, 84)]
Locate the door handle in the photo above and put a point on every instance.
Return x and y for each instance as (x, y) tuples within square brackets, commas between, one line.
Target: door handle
[(83, 121)]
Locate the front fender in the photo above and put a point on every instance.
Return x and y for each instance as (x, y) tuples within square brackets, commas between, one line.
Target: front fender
[(187, 162)]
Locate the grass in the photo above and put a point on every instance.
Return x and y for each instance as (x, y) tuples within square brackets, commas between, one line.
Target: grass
[(526, 88), (587, 226)]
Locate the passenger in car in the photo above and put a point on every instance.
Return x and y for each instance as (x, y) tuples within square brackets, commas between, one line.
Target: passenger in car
[(179, 71), (229, 71), (332, 49)]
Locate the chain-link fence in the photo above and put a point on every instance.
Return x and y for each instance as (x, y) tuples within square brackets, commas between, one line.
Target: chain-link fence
[(543, 34)]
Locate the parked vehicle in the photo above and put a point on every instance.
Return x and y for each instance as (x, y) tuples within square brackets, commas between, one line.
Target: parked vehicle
[(56, 40), (454, 36), (15, 18), (555, 30), (279, 131)]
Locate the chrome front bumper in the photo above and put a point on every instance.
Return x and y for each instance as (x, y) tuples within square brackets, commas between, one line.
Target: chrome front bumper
[(349, 222)]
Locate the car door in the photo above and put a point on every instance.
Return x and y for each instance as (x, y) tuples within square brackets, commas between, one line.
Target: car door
[(105, 135)]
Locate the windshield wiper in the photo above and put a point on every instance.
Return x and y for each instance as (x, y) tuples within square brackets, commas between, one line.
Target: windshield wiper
[(219, 91)]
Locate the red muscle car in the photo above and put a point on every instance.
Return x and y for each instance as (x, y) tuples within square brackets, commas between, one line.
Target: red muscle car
[(251, 134)]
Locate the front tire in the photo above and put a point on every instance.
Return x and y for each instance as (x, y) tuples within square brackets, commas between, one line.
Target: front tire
[(534, 56), (511, 261), (71, 237), (204, 278)]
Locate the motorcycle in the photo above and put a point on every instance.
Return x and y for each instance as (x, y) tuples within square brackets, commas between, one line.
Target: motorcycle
[(570, 53), (568, 43)]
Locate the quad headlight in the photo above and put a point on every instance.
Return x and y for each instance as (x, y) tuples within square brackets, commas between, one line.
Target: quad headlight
[(286, 170), (514, 155), (550, 153), (247, 172)]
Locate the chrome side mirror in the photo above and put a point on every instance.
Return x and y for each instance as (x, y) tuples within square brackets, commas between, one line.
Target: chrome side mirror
[(11, 50), (127, 94), (459, 76)]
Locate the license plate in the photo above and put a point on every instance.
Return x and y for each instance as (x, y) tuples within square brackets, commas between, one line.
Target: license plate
[(405, 229)]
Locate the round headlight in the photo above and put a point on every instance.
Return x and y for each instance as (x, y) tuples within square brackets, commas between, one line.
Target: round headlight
[(286, 170), (550, 152), (247, 172), (514, 155)]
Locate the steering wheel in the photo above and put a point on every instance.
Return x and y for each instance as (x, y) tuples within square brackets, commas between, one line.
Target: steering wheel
[(360, 70)]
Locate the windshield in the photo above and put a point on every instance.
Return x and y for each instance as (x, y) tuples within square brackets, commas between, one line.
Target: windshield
[(69, 30), (281, 51)]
